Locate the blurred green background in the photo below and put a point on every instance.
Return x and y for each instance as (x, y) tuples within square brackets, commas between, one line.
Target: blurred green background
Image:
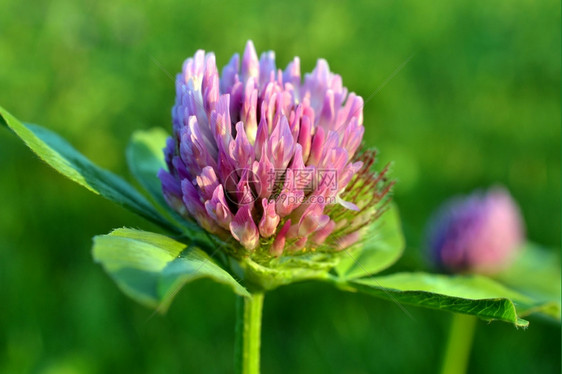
[(477, 104)]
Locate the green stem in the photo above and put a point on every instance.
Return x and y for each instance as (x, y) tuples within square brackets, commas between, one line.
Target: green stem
[(459, 344), (248, 331)]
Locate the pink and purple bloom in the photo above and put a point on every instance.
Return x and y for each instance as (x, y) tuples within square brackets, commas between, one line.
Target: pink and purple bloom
[(263, 156), (480, 232)]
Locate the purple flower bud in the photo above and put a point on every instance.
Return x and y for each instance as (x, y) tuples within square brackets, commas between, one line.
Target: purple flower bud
[(281, 144), (249, 112), (196, 208), (244, 229), (259, 133), (292, 73), (250, 63), (480, 232), (172, 192), (316, 147), (229, 73), (269, 220), (217, 208), (279, 243), (289, 196), (241, 151), (267, 68), (207, 182)]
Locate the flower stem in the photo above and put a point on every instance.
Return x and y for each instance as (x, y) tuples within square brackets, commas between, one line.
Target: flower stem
[(457, 353), (248, 331)]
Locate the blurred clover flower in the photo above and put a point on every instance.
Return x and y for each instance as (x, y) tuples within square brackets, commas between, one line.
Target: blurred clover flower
[(259, 155), (481, 232)]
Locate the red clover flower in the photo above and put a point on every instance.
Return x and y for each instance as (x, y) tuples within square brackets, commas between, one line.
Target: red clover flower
[(262, 156), (477, 233)]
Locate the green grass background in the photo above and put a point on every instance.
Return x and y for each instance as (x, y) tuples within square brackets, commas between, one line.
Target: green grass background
[(477, 104)]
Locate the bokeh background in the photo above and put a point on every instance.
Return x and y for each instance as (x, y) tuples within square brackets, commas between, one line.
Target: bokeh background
[(477, 103)]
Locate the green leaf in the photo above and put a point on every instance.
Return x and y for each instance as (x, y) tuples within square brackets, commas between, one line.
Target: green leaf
[(145, 158), (151, 268), (475, 295), (382, 247), (535, 272), (60, 155)]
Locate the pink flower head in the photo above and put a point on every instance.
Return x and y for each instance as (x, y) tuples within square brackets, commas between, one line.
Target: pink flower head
[(477, 233), (266, 158)]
